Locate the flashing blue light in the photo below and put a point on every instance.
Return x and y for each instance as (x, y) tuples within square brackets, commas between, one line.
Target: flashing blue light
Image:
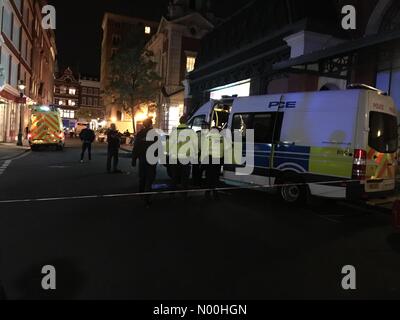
[(46, 109)]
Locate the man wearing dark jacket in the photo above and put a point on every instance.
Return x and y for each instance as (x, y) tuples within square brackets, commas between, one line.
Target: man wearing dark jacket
[(114, 143), (147, 171), (87, 137)]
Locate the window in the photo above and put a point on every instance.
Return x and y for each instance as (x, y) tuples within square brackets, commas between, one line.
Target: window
[(14, 73), (72, 91), (84, 102), (147, 30), (84, 90), (7, 22), (266, 126), (190, 63), (95, 102), (5, 60), (116, 39), (119, 116), (383, 135), (90, 90), (63, 90), (71, 103), (197, 123), (61, 102), (90, 101), (263, 125), (241, 122), (16, 34), (67, 114)]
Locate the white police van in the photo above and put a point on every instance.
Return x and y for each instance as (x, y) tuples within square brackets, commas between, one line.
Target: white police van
[(333, 144)]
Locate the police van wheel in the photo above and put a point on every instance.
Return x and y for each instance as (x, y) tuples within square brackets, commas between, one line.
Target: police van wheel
[(293, 192)]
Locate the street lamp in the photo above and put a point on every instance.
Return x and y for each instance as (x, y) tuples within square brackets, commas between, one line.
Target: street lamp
[(21, 89)]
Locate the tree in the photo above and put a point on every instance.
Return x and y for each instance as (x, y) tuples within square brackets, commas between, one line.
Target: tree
[(133, 78)]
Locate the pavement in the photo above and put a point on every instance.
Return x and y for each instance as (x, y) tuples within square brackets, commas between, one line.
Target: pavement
[(11, 150), (105, 243)]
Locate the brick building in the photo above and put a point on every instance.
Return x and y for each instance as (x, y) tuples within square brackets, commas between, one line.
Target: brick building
[(28, 55), (115, 27), (67, 97), (91, 102)]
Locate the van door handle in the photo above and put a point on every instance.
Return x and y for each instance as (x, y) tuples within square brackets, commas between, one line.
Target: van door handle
[(286, 143)]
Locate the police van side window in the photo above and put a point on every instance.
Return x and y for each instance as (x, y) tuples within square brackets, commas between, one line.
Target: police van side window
[(241, 123), (267, 127), (263, 125), (196, 123)]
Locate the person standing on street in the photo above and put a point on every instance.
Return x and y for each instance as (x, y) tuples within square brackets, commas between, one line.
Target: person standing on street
[(198, 169), (214, 163), (147, 171), (179, 154), (87, 137), (114, 144)]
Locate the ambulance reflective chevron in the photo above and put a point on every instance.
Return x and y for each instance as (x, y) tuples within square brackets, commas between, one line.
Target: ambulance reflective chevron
[(333, 144), (45, 128)]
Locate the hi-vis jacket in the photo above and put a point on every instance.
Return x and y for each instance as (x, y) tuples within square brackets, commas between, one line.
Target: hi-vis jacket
[(182, 144), (211, 145)]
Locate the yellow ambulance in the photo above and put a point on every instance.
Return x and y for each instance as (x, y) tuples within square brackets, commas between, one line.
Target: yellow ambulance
[(45, 128)]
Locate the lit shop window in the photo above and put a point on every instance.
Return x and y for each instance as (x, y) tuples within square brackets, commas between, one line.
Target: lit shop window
[(72, 91), (60, 102), (147, 30), (68, 114), (190, 63)]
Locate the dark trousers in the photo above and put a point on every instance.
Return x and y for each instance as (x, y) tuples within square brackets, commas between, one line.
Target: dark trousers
[(213, 172), (182, 175), (112, 158), (86, 146), (147, 176), (197, 173)]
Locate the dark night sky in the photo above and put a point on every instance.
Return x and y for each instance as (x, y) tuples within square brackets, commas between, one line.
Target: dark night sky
[(79, 26)]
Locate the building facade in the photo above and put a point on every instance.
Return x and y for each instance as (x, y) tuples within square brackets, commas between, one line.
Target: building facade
[(67, 97), (91, 103), (28, 54), (272, 47), (115, 28), (175, 47)]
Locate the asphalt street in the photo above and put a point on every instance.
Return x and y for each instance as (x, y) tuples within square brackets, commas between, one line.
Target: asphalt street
[(248, 245)]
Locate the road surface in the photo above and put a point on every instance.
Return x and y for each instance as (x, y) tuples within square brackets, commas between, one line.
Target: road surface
[(248, 245)]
